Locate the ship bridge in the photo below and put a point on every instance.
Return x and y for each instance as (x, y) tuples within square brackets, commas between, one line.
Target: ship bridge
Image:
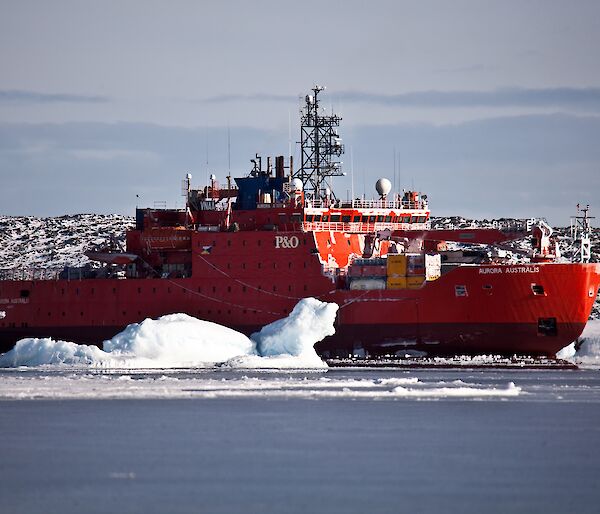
[(367, 216)]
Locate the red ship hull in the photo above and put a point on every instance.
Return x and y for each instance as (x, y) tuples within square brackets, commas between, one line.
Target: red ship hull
[(244, 282), (245, 255)]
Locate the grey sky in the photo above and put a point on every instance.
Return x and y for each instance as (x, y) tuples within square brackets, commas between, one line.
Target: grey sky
[(127, 96)]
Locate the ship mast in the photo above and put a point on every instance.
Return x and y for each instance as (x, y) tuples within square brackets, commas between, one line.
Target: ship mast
[(321, 145), (581, 232)]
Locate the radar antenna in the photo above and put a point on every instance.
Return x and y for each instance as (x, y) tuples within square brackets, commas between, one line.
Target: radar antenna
[(321, 145)]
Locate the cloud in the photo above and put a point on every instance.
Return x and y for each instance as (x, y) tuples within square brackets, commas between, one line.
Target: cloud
[(33, 97), (259, 97), (588, 98), (559, 97)]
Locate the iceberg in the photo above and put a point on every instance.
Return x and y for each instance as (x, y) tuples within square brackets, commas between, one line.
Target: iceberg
[(181, 341)]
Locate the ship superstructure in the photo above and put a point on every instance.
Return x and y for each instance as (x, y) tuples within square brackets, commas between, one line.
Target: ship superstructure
[(243, 255)]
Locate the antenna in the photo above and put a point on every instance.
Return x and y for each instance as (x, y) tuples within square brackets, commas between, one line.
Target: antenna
[(228, 149), (395, 190), (352, 172), (206, 143), (320, 146), (289, 132), (399, 172)]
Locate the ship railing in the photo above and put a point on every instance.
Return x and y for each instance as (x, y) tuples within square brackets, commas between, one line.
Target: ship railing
[(29, 274), (366, 204), (324, 226)]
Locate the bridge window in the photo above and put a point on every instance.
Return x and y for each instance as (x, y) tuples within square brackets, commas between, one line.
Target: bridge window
[(356, 219), (405, 219), (309, 217), (379, 219), (335, 218), (325, 218), (317, 218), (346, 219), (372, 219), (388, 219)]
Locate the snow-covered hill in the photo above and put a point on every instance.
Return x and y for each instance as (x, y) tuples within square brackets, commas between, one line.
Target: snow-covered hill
[(53, 243)]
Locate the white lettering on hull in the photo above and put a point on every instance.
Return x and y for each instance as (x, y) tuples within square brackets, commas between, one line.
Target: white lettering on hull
[(286, 241), (511, 269)]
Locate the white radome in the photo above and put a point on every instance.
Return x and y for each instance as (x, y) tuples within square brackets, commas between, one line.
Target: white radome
[(296, 185), (383, 186)]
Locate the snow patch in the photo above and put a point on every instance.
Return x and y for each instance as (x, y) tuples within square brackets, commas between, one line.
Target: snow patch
[(181, 341)]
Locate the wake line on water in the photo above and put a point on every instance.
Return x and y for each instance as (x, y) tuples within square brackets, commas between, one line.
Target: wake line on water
[(182, 341)]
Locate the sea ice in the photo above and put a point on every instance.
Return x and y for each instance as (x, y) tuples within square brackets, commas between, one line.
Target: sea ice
[(179, 341), (38, 352)]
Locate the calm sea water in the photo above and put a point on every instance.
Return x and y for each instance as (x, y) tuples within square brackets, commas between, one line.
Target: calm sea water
[(339, 441)]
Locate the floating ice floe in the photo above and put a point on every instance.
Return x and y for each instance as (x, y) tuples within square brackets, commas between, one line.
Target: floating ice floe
[(201, 384), (179, 341)]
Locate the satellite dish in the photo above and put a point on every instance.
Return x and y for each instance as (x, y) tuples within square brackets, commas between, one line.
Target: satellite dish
[(383, 186)]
